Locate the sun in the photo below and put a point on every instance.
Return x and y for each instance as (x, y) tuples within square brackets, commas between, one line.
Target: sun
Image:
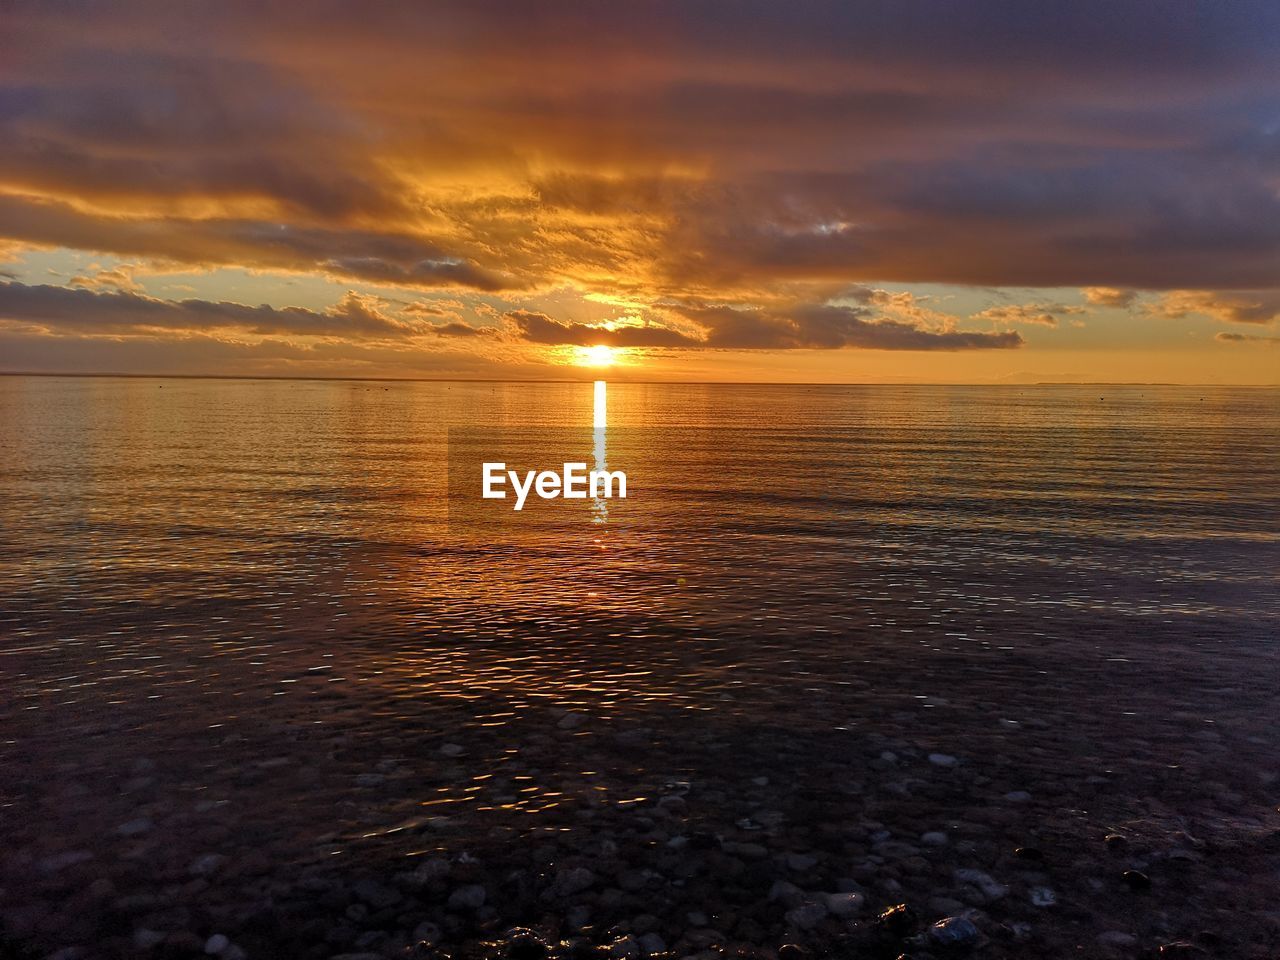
[(599, 355)]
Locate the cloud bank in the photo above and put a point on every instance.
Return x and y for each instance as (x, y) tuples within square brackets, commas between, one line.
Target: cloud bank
[(723, 174)]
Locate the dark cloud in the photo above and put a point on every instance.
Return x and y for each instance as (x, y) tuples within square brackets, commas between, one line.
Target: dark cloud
[(814, 327), (205, 354), (381, 257), (457, 328), (87, 311), (1148, 217), (109, 124), (828, 327), (439, 272), (1246, 338), (540, 328)]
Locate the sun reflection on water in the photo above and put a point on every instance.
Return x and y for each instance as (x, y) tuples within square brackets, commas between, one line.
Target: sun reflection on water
[(600, 422)]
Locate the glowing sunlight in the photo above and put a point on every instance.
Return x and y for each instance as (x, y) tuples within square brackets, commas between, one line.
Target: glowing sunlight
[(599, 355)]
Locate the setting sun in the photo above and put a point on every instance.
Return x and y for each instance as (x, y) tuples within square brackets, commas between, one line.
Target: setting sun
[(599, 355)]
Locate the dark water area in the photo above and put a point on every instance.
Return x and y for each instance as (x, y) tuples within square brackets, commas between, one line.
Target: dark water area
[(841, 648)]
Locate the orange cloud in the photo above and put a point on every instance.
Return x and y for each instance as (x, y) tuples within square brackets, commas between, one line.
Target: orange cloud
[(1109, 296), (1042, 314), (1228, 306)]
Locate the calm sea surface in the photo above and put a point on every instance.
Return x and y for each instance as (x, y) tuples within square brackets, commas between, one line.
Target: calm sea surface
[(130, 501), (249, 612)]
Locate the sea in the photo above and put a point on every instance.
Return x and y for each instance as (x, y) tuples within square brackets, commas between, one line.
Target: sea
[(271, 627)]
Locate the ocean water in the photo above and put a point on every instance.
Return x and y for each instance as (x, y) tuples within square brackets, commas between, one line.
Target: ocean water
[(263, 616), (131, 500)]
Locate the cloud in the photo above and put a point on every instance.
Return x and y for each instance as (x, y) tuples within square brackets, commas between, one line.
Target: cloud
[(540, 328), (1228, 306), (119, 277), (122, 311), (457, 328), (1246, 338), (832, 327), (163, 127), (380, 256), (841, 142), (697, 153), (1043, 314), (213, 353), (812, 327), (441, 271), (1109, 296), (434, 308)]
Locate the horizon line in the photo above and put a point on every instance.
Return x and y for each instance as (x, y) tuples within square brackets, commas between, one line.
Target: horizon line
[(740, 383)]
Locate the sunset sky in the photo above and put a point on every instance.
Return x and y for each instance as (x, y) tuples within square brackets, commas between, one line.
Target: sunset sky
[(977, 192)]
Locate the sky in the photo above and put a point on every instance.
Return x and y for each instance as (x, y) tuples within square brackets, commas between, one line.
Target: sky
[(984, 192)]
